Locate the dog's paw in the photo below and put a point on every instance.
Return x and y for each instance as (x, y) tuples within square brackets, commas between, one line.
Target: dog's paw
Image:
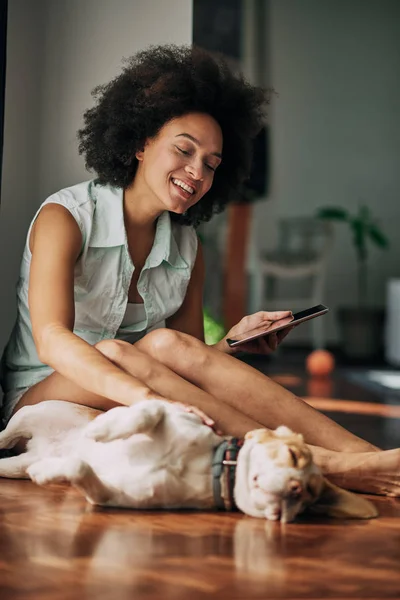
[(122, 422), (108, 426), (55, 470), (46, 471)]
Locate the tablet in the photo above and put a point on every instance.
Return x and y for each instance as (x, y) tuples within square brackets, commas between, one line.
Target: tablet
[(296, 319)]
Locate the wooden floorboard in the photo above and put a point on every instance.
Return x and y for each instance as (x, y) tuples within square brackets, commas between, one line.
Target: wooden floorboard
[(53, 546)]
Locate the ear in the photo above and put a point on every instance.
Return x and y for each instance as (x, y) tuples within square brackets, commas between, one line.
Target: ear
[(338, 503), (139, 155), (282, 432), (259, 436)]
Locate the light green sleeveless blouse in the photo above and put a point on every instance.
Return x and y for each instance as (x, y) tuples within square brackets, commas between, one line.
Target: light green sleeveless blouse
[(103, 274)]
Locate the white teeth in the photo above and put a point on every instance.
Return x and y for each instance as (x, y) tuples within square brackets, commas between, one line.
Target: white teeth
[(184, 186)]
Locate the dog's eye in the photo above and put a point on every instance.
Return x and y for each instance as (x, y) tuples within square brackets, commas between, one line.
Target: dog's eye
[(255, 478), (293, 456)]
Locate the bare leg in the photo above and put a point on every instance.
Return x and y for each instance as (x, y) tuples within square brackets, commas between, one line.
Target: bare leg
[(360, 467), (371, 468), (164, 382), (247, 390)]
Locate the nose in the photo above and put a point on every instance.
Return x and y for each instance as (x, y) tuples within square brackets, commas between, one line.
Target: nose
[(195, 171), (295, 488)]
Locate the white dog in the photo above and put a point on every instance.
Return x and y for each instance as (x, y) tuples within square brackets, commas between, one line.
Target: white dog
[(155, 455)]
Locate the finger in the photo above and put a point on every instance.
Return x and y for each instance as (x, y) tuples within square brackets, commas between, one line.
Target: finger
[(258, 347), (263, 346), (205, 418), (273, 341), (283, 333), (278, 314), (250, 348)]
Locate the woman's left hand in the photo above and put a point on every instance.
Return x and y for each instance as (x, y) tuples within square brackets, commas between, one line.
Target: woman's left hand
[(262, 345), (196, 411)]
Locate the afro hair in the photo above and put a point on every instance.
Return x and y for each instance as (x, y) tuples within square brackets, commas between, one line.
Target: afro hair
[(157, 85)]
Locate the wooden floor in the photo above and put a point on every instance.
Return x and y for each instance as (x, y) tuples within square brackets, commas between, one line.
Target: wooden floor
[(53, 546)]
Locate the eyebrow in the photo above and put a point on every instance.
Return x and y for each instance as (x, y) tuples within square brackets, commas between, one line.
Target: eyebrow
[(196, 141)]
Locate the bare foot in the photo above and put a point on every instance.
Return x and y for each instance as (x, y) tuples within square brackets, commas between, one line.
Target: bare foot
[(368, 472)]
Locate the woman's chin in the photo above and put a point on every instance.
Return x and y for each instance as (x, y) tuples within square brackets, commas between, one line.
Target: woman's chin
[(177, 207), (177, 202), (179, 211)]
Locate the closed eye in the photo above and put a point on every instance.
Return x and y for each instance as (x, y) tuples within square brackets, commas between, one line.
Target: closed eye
[(183, 151), (186, 153), (293, 457)]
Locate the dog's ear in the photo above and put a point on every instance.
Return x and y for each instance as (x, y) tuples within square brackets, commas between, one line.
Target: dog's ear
[(259, 436), (266, 435), (335, 502), (283, 432)]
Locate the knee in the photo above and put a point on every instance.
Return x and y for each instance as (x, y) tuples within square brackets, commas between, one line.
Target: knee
[(159, 341), (112, 349), (166, 344)]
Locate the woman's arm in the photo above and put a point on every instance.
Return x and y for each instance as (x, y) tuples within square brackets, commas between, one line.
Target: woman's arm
[(55, 243), (189, 318)]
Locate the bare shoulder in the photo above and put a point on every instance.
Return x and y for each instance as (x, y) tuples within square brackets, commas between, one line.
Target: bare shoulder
[(55, 223), (55, 243)]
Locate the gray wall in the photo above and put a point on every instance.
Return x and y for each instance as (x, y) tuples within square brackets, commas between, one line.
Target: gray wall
[(57, 52), (21, 147), (336, 128)]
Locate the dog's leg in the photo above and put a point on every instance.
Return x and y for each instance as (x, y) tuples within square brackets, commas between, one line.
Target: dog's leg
[(19, 426), (15, 467), (49, 415), (74, 471), (124, 421)]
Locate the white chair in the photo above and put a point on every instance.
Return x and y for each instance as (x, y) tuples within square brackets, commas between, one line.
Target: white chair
[(304, 244)]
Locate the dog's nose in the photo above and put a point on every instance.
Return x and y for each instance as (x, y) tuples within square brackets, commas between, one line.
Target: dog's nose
[(295, 489)]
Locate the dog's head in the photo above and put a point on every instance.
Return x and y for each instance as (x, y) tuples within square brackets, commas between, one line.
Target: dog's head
[(276, 479)]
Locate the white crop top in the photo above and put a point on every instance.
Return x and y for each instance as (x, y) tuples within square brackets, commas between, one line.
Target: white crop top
[(134, 313)]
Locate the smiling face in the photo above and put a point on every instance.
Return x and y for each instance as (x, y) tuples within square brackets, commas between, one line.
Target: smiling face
[(177, 167)]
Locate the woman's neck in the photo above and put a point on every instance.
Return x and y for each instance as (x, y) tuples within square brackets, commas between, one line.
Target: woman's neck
[(140, 211)]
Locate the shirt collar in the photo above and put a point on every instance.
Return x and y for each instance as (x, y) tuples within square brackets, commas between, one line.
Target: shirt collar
[(109, 227)]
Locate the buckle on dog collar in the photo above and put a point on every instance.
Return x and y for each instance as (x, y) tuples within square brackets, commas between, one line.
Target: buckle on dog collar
[(224, 472)]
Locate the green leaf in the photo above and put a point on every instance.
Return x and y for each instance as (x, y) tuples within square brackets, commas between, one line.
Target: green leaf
[(378, 236), (214, 331), (336, 214)]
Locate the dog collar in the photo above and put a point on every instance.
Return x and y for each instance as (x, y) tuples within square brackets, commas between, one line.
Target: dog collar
[(224, 473)]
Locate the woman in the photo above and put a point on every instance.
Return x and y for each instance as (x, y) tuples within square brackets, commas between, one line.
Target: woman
[(107, 262)]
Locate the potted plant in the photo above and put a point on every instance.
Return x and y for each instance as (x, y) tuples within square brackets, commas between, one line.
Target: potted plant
[(214, 331), (362, 325)]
